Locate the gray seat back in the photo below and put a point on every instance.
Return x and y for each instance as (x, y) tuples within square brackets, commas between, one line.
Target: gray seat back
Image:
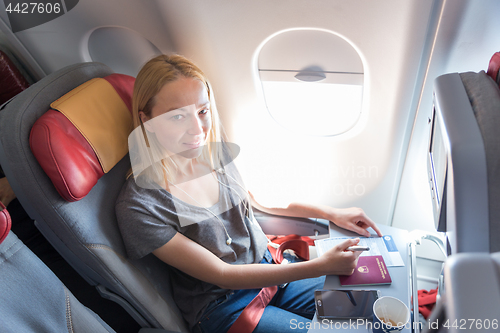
[(467, 108), (84, 232), (484, 96)]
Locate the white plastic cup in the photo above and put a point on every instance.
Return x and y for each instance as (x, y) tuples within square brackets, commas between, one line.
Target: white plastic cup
[(386, 308)]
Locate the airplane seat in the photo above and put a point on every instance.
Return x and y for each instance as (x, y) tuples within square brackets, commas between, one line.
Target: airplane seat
[(464, 159), (33, 299), (484, 97), (471, 298), (465, 154), (77, 122), (12, 81)]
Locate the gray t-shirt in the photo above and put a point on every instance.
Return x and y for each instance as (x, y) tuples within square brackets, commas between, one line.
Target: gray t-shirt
[(149, 218)]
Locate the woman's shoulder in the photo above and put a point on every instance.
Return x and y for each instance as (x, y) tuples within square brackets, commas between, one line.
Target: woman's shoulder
[(137, 205), (136, 192), (129, 189), (146, 221)]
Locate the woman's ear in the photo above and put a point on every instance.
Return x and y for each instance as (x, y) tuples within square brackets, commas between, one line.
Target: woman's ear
[(145, 122)]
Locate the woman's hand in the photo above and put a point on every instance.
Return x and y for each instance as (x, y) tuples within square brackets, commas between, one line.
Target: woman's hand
[(353, 219), (338, 261)]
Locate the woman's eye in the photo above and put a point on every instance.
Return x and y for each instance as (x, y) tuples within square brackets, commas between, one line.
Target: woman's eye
[(177, 117), (204, 111)]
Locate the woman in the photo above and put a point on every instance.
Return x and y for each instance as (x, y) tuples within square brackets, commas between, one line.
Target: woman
[(186, 205)]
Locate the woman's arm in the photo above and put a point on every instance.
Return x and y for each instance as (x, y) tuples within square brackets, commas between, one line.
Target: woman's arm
[(353, 218), (196, 261)]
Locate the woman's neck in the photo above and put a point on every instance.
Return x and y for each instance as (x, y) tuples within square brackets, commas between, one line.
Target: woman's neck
[(189, 169), (186, 166)]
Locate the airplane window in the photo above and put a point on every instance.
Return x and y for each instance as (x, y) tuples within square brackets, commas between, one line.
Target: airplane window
[(312, 81)]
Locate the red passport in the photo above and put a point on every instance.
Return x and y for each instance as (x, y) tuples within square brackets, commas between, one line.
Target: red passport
[(370, 270)]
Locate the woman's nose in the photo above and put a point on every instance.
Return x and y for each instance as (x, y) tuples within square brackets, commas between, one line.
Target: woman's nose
[(195, 126)]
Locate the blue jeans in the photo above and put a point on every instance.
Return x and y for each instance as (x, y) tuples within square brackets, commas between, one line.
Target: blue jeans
[(290, 309)]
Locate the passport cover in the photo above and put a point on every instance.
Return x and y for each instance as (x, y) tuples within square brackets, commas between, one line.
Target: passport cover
[(370, 270)]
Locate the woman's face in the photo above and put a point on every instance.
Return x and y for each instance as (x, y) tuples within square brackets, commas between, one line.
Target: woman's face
[(180, 117)]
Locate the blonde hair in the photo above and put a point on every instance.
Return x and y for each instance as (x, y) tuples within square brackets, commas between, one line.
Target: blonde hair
[(151, 79)]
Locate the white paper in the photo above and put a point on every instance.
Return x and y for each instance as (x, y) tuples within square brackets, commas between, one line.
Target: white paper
[(379, 246)]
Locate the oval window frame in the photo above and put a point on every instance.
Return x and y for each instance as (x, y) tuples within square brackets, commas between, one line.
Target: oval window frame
[(315, 70)]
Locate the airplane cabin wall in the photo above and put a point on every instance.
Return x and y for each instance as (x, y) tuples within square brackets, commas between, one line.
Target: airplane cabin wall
[(280, 166), (468, 36)]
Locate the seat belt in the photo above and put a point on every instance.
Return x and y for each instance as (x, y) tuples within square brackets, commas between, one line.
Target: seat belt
[(298, 244), (250, 316)]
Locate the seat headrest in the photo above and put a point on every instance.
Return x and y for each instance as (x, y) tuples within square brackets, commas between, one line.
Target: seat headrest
[(12, 82), (85, 134), (5, 222)]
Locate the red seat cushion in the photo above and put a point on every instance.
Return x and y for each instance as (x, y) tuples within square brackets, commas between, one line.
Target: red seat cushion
[(494, 67), (62, 148), (5, 222), (11, 80)]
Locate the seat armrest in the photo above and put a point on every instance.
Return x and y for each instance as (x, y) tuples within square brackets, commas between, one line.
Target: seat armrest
[(284, 225), (472, 290)]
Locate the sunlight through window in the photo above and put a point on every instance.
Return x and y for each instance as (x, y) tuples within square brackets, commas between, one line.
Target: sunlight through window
[(314, 108)]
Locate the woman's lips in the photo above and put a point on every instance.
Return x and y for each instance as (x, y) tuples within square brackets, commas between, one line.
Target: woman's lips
[(193, 145)]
